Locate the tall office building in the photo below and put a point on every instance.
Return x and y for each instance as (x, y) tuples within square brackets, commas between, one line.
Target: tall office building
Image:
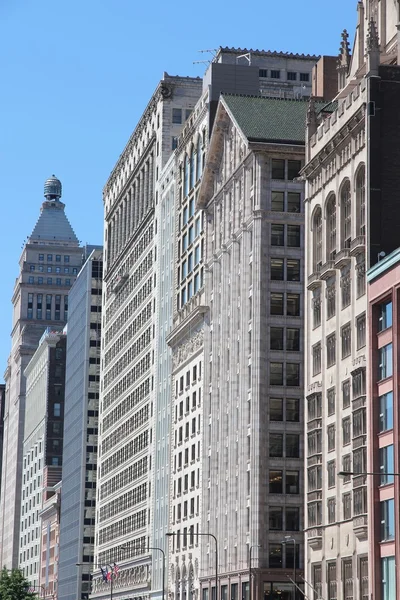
[(82, 385), (42, 452), (128, 449), (352, 218), (49, 264)]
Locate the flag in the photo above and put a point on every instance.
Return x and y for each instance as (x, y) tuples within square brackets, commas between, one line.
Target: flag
[(116, 569), (109, 575), (104, 573)]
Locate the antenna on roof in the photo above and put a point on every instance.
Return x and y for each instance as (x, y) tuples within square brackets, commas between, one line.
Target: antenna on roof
[(212, 51), (201, 62), (247, 56)]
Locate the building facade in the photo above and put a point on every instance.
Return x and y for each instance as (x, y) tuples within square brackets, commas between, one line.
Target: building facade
[(128, 415), (82, 388), (350, 219), (49, 264), (49, 516), (42, 449), (383, 426)]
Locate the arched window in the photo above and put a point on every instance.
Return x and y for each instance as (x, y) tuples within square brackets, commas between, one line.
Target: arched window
[(331, 228), (192, 169), (345, 212), (186, 176), (317, 239), (360, 201)]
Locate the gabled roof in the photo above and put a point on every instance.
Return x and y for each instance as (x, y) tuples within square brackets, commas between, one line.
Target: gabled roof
[(53, 225), (268, 119)]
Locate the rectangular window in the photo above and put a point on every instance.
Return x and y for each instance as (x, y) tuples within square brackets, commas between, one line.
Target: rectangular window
[(359, 422), (385, 315), (276, 409), (275, 74), (292, 270), (275, 556), (292, 374), (276, 338), (31, 267), (331, 510), (277, 235), (278, 168), (292, 76), (292, 445), (331, 350), (316, 309), (346, 431), (314, 514), (331, 467), (177, 116), (359, 383), (292, 518), (31, 279), (275, 373), (388, 573), (331, 432), (346, 393), (385, 362), (276, 518), (263, 73), (49, 257), (292, 482), (276, 445), (48, 306), (278, 201), (293, 410), (292, 340), (361, 331), (314, 406), (345, 284), (39, 304), (58, 257), (346, 501), (277, 271), (57, 409), (41, 256), (331, 396), (304, 76), (331, 581), (387, 520), (293, 305), (386, 464), (66, 258), (330, 300), (386, 412), (294, 167), (293, 202), (346, 340), (174, 143), (293, 236), (275, 482), (30, 306), (316, 356)]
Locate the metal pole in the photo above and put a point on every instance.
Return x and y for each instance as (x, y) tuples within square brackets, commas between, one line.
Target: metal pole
[(294, 569), (163, 568), (250, 549), (216, 562)]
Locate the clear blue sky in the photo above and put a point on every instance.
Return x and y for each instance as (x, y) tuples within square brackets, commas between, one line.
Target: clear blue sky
[(76, 76)]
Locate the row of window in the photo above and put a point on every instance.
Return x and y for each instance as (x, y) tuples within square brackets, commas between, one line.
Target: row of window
[(127, 312), (281, 338), (286, 170), (290, 75), (285, 201), (183, 457), (185, 509), (123, 478), (45, 309), (50, 269), (287, 374), (285, 269), (124, 502), (129, 333), (348, 576), (284, 445), (285, 235), (345, 333), (196, 402), (57, 257), (127, 404), (49, 281)]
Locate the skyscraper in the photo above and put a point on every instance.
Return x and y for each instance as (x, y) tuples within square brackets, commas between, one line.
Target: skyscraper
[(49, 264)]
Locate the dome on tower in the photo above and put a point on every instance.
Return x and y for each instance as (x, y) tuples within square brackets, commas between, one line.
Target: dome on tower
[(52, 188)]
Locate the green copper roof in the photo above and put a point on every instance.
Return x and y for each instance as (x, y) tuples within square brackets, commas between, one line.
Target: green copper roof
[(269, 119)]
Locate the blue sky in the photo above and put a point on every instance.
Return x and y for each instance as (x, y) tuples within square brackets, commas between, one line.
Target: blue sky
[(76, 76)]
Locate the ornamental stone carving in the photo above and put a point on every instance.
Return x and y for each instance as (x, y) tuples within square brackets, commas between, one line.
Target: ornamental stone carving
[(189, 347)]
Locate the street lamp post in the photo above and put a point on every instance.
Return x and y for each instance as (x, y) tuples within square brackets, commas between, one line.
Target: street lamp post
[(163, 567), (354, 474), (169, 534), (250, 549), (287, 539), (100, 567)]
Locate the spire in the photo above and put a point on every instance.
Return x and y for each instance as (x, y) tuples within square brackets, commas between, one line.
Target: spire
[(311, 121), (373, 49), (344, 58)]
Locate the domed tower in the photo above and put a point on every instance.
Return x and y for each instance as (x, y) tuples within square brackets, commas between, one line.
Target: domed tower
[(52, 188)]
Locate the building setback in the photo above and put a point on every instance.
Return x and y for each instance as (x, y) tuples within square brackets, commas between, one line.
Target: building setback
[(82, 386), (42, 454), (351, 218), (49, 264)]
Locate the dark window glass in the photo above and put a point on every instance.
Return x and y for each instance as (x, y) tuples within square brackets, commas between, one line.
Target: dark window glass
[(276, 518), (304, 76), (276, 445), (277, 272), (293, 409), (292, 339), (292, 482), (278, 201), (277, 235), (293, 202), (275, 482), (276, 304), (293, 305), (275, 556), (292, 76), (276, 373), (292, 374), (292, 445), (292, 515), (292, 270), (294, 167), (293, 236), (276, 409), (276, 338), (278, 168)]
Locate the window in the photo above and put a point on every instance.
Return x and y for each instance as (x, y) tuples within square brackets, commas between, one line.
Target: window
[(49, 257), (293, 236), (293, 200), (66, 258), (346, 393), (278, 200), (275, 556), (278, 168), (276, 445), (177, 116), (317, 239), (331, 510), (331, 350), (330, 300), (360, 201), (316, 355), (292, 518), (292, 482), (58, 257), (174, 143), (346, 340), (317, 580), (292, 270), (385, 361), (345, 199), (331, 395), (361, 331), (314, 514), (276, 409), (31, 267), (292, 76), (386, 464), (314, 406), (41, 256), (345, 284), (277, 235), (31, 280), (293, 374), (276, 307), (386, 412), (359, 422), (293, 305), (346, 501), (316, 309), (331, 431), (276, 338), (276, 518), (292, 445), (293, 410), (30, 307), (387, 520), (359, 383), (360, 460), (276, 373), (57, 409), (263, 72), (331, 467), (277, 272), (275, 74), (39, 301), (385, 315), (347, 570), (331, 228), (275, 482), (292, 339), (360, 278), (388, 573), (294, 167), (304, 76), (346, 431)]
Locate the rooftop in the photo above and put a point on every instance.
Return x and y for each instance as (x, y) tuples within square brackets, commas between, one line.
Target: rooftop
[(272, 53)]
